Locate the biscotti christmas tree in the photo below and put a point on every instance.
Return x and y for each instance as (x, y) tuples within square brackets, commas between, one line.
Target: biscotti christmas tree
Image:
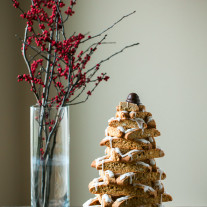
[(128, 173)]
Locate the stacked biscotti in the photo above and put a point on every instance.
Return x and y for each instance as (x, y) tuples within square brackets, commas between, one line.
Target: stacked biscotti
[(128, 173)]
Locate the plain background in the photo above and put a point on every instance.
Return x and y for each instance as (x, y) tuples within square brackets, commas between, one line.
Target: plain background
[(168, 70)]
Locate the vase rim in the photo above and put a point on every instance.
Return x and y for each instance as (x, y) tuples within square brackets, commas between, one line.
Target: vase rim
[(53, 107)]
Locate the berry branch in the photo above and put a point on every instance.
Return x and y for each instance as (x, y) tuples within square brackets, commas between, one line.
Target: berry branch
[(56, 64)]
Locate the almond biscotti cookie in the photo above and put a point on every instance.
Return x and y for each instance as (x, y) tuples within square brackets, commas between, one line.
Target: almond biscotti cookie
[(151, 140), (150, 122), (133, 201), (107, 201), (133, 134), (143, 178), (115, 131), (93, 202), (132, 177), (140, 114), (139, 144), (126, 106), (127, 123), (142, 108), (100, 187), (135, 116), (132, 114), (129, 106), (125, 155), (106, 163), (152, 163)]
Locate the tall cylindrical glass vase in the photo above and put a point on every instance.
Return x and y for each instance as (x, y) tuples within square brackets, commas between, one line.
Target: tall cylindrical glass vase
[(49, 152)]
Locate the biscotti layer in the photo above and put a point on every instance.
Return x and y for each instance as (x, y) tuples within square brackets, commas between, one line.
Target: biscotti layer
[(143, 178), (106, 200), (120, 167), (126, 106), (96, 187), (132, 114), (124, 119), (127, 123), (93, 202), (125, 155), (131, 134), (132, 201), (132, 177), (114, 142)]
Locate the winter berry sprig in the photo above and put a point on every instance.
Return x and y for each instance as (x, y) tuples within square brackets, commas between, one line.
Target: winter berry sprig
[(58, 61)]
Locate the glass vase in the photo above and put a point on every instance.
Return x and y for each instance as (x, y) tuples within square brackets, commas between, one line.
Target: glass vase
[(49, 153)]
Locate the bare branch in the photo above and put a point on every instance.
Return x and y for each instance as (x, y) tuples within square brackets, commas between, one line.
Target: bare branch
[(28, 65), (109, 27), (108, 58)]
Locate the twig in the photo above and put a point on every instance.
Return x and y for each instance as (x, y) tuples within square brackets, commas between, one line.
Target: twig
[(109, 27), (116, 53), (28, 66)]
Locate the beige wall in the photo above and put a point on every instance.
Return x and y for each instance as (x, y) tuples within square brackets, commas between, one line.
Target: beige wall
[(14, 112), (167, 70)]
